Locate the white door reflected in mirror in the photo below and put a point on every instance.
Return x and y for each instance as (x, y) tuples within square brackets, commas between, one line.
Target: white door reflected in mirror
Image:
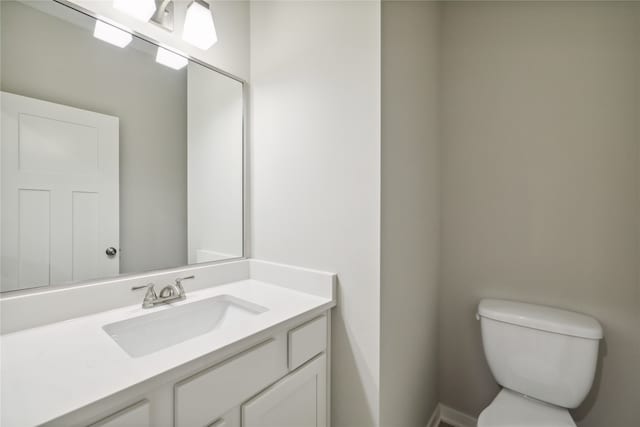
[(59, 193)]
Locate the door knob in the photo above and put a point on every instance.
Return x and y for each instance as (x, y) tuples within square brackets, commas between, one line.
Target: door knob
[(111, 251)]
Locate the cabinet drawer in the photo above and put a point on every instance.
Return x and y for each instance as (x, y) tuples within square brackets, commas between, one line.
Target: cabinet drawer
[(306, 341), (135, 415), (206, 396)]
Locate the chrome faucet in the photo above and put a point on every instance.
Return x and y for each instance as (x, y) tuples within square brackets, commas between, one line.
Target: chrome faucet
[(168, 294)]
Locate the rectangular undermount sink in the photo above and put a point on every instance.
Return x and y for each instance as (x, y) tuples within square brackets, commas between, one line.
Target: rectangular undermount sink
[(155, 331)]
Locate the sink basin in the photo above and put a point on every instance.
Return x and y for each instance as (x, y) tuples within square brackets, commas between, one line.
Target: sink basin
[(155, 331)]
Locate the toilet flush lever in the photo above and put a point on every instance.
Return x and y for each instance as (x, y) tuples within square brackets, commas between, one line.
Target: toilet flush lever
[(477, 316)]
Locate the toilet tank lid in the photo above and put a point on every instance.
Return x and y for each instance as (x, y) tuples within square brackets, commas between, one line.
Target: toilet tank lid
[(541, 317)]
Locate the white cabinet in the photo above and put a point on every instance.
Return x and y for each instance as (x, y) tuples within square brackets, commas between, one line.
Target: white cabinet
[(136, 415), (201, 399), (278, 380), (298, 400)]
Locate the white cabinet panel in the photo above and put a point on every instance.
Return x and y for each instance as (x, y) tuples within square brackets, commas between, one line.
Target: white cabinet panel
[(298, 400), (134, 416), (203, 398), (306, 341)]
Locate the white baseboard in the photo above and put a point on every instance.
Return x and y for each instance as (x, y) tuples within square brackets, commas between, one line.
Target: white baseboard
[(435, 417), (451, 416)]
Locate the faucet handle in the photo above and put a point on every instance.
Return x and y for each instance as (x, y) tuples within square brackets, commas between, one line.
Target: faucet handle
[(149, 287), (179, 283), (180, 279), (151, 291), (150, 297)]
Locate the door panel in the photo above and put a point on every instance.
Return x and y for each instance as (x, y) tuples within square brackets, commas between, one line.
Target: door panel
[(47, 145), (33, 241), (60, 195)]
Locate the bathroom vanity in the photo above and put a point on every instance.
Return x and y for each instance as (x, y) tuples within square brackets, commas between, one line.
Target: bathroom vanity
[(249, 346), (122, 165)]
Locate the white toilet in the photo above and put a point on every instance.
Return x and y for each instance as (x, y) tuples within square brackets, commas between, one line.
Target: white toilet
[(543, 357)]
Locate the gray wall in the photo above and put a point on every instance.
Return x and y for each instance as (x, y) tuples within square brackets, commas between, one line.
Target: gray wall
[(410, 212), (541, 184), (315, 171), (47, 58)]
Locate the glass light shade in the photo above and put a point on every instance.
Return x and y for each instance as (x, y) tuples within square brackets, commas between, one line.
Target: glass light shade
[(198, 26), (111, 34), (139, 9), (170, 59)]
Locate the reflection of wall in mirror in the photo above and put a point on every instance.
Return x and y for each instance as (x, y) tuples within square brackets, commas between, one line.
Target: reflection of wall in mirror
[(47, 58), (214, 166)]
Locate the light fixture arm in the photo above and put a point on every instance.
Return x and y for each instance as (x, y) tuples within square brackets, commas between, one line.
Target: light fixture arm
[(161, 7), (203, 3), (163, 15)]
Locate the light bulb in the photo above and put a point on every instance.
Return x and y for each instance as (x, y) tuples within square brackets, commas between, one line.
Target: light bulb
[(199, 29), (139, 9), (170, 59), (111, 34)]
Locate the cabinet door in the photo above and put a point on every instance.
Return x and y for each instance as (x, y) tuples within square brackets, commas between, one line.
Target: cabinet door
[(298, 400), (134, 416)]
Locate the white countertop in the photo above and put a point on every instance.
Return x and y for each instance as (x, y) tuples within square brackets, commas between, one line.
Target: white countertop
[(51, 370)]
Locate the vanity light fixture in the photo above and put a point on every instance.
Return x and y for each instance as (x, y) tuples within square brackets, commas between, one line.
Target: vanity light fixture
[(111, 34), (142, 10), (199, 29), (170, 59)]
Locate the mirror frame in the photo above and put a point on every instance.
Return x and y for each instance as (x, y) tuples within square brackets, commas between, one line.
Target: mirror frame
[(245, 175)]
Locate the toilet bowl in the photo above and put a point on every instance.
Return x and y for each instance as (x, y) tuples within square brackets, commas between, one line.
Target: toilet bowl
[(544, 358), (510, 409)]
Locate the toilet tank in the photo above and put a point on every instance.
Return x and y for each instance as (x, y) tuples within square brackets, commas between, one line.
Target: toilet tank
[(542, 352)]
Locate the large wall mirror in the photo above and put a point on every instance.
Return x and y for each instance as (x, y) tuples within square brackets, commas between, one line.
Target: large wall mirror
[(115, 160)]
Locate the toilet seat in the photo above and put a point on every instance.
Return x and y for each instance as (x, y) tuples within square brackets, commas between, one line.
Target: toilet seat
[(510, 409)]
